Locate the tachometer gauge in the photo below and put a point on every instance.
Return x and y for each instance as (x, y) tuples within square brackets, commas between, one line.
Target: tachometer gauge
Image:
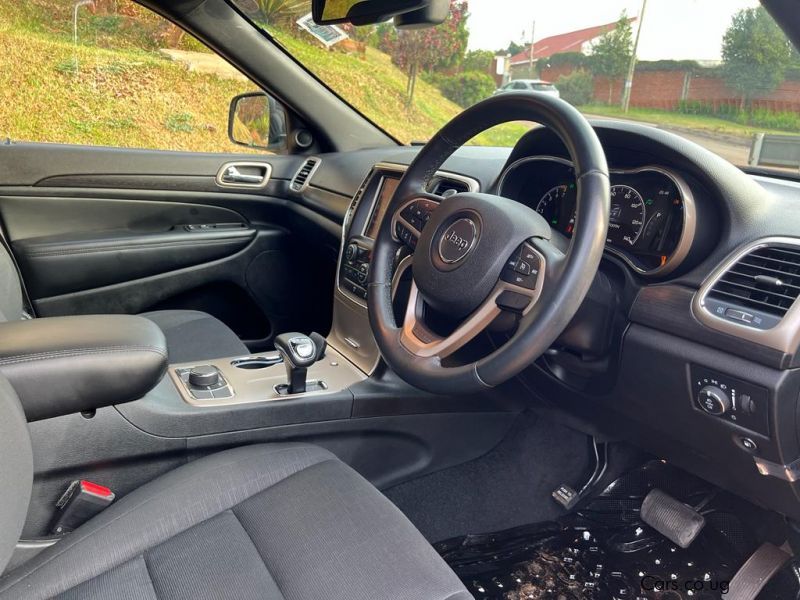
[(627, 216), (552, 206)]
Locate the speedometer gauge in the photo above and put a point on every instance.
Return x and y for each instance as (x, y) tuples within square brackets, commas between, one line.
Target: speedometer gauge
[(627, 216)]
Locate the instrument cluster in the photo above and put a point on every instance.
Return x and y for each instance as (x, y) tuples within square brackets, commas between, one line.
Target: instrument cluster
[(652, 211)]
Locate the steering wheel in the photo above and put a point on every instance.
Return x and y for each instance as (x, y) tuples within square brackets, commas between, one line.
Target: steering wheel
[(476, 255)]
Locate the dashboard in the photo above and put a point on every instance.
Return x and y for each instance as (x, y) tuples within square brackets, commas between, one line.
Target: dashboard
[(645, 359), (652, 216)]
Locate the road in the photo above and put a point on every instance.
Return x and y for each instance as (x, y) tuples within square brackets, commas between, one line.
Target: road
[(735, 151), (731, 148)]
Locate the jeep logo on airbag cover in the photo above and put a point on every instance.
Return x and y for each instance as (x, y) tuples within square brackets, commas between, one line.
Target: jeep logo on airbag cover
[(458, 240)]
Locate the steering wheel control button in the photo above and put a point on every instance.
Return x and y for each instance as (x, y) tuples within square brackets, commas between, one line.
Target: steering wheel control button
[(513, 301), (522, 267), (405, 235), (204, 376), (714, 401), (458, 240)]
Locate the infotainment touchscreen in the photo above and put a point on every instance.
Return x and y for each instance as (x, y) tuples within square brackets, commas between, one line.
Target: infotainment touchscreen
[(385, 193)]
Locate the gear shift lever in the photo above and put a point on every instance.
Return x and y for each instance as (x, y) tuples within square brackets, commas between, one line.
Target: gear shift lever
[(298, 352)]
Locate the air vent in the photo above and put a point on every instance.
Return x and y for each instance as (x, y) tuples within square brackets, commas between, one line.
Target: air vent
[(759, 288), (303, 177), (446, 187)]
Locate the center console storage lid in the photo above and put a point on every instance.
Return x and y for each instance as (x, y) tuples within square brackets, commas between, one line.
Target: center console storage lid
[(64, 365)]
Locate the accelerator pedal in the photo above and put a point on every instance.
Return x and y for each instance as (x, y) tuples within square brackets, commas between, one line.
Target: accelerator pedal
[(679, 523), (754, 574)]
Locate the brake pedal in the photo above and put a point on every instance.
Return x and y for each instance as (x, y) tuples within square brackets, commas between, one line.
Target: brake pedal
[(679, 523)]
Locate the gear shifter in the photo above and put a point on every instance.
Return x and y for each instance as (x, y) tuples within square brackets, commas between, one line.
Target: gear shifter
[(298, 352)]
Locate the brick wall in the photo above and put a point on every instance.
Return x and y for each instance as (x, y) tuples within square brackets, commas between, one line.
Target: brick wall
[(665, 89)]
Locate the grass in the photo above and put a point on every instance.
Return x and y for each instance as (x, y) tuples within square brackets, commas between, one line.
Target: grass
[(115, 89), (377, 88), (124, 98), (681, 121)]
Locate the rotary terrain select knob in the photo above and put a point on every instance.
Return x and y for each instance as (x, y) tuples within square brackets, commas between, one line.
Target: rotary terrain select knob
[(204, 376), (713, 400)]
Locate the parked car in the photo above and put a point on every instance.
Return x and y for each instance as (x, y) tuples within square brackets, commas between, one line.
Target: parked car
[(530, 85)]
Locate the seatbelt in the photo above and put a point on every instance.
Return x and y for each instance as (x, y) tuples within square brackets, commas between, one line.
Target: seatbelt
[(754, 574)]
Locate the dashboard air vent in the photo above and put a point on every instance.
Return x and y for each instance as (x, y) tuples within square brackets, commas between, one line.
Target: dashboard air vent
[(446, 187), (763, 284), (303, 176)]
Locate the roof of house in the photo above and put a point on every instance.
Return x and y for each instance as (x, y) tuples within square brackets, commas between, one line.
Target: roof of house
[(563, 42)]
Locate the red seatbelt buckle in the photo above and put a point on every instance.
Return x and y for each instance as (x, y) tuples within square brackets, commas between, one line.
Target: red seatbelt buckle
[(82, 501)]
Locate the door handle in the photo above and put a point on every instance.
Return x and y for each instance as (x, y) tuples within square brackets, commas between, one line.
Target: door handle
[(244, 174), (233, 175)]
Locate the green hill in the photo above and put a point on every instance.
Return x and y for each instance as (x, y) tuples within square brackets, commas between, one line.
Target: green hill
[(116, 88)]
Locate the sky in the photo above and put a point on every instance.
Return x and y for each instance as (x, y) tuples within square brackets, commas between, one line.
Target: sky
[(674, 29)]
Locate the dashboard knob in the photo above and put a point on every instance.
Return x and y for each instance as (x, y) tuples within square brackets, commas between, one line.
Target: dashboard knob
[(351, 253), (713, 400), (204, 376)]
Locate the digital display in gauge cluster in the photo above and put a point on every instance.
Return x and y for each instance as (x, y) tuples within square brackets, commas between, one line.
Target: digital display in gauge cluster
[(647, 208)]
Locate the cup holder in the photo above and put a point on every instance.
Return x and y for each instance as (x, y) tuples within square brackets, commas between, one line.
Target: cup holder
[(257, 362)]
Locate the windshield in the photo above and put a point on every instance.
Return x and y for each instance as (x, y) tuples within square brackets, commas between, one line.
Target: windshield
[(719, 73)]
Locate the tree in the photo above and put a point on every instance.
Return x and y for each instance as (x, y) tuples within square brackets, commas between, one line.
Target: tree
[(755, 54), (577, 87), (478, 60), (612, 52), (514, 48), (279, 12), (467, 88), (438, 48)]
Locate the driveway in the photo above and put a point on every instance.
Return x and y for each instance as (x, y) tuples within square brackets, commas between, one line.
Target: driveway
[(732, 148)]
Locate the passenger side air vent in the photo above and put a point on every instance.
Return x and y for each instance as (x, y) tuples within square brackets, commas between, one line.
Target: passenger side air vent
[(759, 288), (303, 177), (446, 187)]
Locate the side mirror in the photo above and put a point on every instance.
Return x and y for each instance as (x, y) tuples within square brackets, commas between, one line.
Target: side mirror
[(257, 120), (361, 12)]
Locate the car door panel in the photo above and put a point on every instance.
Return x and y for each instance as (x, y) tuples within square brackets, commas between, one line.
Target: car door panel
[(98, 230), (57, 265)]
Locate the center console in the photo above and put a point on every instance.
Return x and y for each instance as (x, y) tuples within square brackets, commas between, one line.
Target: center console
[(350, 354), (351, 334), (263, 378)]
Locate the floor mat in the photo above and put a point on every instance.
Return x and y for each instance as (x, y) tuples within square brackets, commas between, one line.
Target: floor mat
[(507, 487), (603, 551)]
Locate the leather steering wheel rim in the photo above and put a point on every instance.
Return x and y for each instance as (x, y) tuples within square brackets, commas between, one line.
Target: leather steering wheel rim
[(567, 277)]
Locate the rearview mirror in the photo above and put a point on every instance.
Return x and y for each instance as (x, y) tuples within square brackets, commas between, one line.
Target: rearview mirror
[(257, 120), (361, 12)]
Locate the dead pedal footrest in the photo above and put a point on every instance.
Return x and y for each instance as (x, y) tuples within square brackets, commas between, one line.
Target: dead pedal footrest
[(677, 522)]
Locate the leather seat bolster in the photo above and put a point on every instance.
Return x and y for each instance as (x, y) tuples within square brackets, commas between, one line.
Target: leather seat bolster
[(64, 365)]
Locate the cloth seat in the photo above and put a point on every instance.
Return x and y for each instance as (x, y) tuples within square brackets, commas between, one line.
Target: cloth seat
[(274, 521), (194, 336)]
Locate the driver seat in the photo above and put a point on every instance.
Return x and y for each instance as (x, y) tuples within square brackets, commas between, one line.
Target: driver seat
[(273, 521)]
